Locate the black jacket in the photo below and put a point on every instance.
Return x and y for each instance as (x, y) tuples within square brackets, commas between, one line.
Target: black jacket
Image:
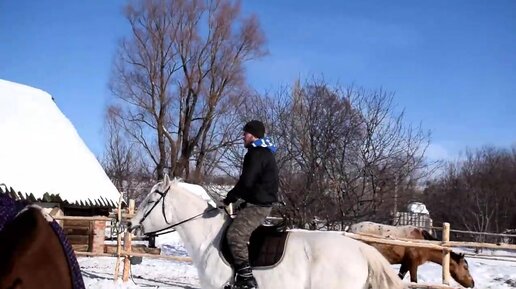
[(258, 183)]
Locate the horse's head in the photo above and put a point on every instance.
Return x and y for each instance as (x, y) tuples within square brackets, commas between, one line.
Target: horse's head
[(151, 213), (459, 270)]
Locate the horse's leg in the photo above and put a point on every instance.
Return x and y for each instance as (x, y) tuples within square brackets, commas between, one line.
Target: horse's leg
[(403, 269), (413, 272), (405, 262)]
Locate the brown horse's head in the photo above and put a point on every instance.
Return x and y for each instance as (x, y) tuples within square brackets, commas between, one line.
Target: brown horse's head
[(459, 270)]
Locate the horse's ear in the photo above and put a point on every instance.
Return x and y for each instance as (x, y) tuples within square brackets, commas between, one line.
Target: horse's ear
[(166, 181)]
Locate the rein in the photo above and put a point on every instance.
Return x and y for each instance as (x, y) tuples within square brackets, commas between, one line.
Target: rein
[(162, 199), (160, 231)]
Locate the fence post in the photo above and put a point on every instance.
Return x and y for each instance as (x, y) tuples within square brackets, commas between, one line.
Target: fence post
[(118, 237), (127, 246), (446, 254)]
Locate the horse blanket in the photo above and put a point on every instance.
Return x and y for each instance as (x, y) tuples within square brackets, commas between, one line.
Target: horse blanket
[(34, 252)]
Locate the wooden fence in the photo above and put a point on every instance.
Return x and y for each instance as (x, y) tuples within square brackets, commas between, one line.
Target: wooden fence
[(124, 247)]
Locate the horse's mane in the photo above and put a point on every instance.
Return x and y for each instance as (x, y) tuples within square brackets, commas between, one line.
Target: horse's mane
[(457, 257), (428, 236), (175, 184)]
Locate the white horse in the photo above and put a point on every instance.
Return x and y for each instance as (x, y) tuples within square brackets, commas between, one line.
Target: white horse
[(312, 260)]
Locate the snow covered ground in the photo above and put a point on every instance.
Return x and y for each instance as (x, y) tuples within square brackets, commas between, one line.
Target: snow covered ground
[(158, 273)]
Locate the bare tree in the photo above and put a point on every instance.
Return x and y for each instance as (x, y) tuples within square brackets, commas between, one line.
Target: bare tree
[(178, 73), (225, 132), (254, 106), (339, 151), (359, 146), (477, 193), (126, 170)]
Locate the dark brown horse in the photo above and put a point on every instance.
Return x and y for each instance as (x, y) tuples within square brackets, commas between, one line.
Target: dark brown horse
[(411, 258), (32, 251)]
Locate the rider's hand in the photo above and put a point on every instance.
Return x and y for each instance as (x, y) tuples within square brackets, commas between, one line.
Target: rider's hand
[(226, 202)]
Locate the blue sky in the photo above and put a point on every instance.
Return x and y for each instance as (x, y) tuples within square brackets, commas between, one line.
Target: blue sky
[(451, 64)]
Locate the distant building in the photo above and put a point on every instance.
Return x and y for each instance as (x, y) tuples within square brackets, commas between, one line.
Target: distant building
[(416, 215)]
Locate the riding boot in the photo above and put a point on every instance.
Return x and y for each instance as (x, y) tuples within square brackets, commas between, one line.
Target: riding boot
[(244, 278)]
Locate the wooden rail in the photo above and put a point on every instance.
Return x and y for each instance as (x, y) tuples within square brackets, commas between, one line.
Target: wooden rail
[(124, 249), (134, 254), (73, 218), (505, 258), (480, 245), (405, 242), (478, 233)]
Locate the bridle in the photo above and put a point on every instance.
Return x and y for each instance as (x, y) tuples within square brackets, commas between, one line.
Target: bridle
[(162, 197), (171, 228)]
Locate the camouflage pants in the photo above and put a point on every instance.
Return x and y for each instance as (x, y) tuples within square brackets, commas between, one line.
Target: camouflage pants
[(240, 230)]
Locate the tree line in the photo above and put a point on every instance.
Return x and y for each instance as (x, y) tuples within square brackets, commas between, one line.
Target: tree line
[(181, 97), (477, 193)]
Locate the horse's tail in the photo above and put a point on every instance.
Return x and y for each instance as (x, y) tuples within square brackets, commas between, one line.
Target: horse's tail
[(381, 274)]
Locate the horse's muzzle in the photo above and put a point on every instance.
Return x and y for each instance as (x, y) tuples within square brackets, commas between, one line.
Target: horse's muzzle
[(135, 229), (131, 227)]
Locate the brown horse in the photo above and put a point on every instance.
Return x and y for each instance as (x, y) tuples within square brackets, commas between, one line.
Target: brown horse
[(410, 257), (33, 251)]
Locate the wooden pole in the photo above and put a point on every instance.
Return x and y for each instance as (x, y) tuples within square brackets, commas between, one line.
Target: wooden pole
[(124, 215), (119, 238), (446, 254), (168, 257), (505, 258), (401, 242), (127, 246), (77, 218), (94, 254), (481, 245)]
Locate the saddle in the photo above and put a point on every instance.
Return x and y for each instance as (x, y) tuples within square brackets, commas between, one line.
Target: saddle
[(266, 246)]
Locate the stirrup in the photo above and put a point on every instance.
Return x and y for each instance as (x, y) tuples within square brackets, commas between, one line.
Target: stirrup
[(242, 284), (246, 283)]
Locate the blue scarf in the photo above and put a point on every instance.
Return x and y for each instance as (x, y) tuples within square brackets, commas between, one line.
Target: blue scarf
[(264, 143)]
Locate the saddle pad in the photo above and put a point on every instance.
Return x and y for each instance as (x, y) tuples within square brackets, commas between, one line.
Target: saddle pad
[(266, 246)]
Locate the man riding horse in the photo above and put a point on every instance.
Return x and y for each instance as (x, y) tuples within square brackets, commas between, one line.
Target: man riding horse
[(258, 187)]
